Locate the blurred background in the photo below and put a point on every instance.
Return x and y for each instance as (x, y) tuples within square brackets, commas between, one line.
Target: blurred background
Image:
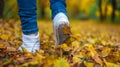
[(100, 10)]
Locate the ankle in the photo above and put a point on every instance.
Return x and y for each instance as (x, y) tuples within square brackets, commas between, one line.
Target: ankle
[(60, 17)]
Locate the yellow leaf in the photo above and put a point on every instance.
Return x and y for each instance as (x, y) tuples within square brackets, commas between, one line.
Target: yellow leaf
[(92, 50), (75, 44), (29, 54), (49, 60), (25, 65), (91, 40), (24, 49), (94, 54), (89, 64), (105, 52), (4, 37), (61, 63), (76, 59), (40, 57), (64, 46), (108, 64), (103, 42), (2, 46), (66, 30), (32, 64)]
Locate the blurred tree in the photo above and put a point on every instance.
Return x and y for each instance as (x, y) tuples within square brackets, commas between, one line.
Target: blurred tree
[(42, 8), (103, 8), (77, 9), (1, 8), (100, 9), (73, 8), (102, 4), (114, 3), (10, 9)]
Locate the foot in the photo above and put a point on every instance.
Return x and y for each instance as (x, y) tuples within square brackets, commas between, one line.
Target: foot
[(60, 23), (30, 42)]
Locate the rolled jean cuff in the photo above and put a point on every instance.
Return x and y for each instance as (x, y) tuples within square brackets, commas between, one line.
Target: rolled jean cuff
[(58, 11), (29, 24), (58, 6), (32, 31)]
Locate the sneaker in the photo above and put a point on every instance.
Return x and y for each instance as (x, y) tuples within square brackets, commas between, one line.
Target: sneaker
[(30, 42), (60, 23)]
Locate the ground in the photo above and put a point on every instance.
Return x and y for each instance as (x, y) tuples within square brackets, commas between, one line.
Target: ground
[(92, 44)]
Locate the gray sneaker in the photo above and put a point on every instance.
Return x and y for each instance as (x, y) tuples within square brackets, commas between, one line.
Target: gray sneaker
[(62, 32)]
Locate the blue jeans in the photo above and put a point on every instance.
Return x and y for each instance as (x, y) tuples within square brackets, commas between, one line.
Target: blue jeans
[(28, 16)]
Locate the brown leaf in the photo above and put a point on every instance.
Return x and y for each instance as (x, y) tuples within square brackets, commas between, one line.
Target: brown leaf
[(66, 30), (94, 54), (20, 60), (11, 49)]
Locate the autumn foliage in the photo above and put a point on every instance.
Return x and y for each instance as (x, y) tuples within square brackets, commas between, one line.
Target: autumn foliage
[(91, 45)]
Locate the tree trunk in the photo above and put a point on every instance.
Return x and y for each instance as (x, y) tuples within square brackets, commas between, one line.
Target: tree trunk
[(105, 15), (42, 8), (114, 7), (1, 8), (100, 10)]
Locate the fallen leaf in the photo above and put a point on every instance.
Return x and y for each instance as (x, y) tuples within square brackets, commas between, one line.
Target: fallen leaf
[(61, 63)]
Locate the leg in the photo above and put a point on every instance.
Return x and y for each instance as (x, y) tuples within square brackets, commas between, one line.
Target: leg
[(27, 13), (58, 6), (60, 20)]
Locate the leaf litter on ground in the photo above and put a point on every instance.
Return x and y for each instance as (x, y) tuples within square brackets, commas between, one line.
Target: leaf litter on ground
[(91, 45)]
